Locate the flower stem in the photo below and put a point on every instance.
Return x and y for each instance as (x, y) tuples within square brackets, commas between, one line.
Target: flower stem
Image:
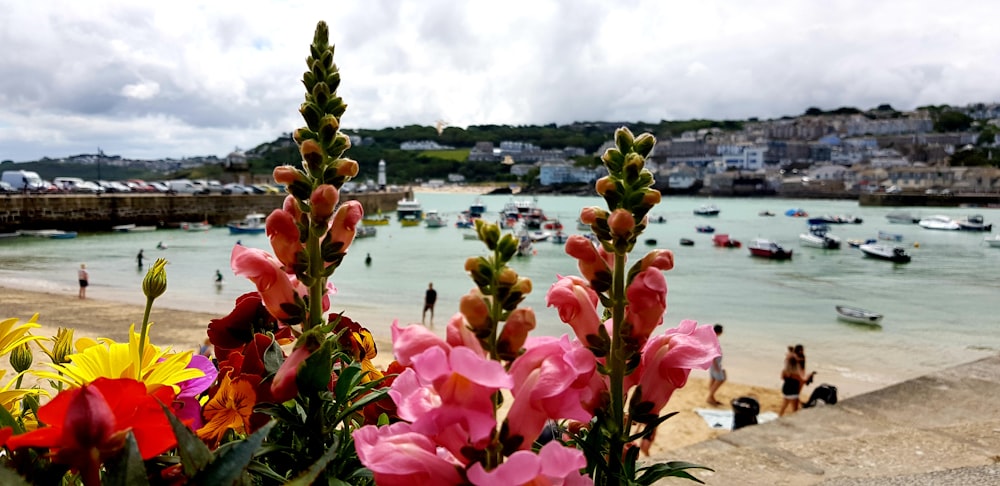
[(142, 337), (315, 317), (616, 364)]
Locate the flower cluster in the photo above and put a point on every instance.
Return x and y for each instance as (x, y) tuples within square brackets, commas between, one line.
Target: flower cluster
[(573, 402)]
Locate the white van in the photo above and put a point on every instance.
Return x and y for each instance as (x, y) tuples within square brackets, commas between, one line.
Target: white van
[(18, 179), (182, 186)]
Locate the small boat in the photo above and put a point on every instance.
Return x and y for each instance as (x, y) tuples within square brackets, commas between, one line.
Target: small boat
[(377, 220), (198, 226), (902, 217), (476, 209), (49, 233), (797, 213), (650, 241), (131, 228), (827, 219), (707, 210), (9, 235), (409, 222), (524, 246), (687, 242), (819, 237), (552, 225), (939, 222), (993, 241), (763, 248), (464, 222), (858, 316), (705, 229), (895, 254), (856, 242), (434, 220), (765, 213), (365, 232), (582, 226), (537, 235), (658, 219), (974, 223), (559, 238), (724, 241), (409, 209), (250, 224), (885, 235)]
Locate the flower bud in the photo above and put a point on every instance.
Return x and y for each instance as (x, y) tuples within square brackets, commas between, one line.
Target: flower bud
[(643, 144), (604, 184), (471, 264), (508, 277), (20, 358), (291, 206), (347, 168), (651, 197), (624, 139), (62, 346), (324, 198), (621, 223), (285, 174), (155, 282), (661, 259), (312, 156), (515, 333), (473, 307), (590, 215)]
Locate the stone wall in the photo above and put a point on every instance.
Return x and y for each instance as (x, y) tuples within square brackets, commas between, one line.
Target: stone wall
[(86, 212)]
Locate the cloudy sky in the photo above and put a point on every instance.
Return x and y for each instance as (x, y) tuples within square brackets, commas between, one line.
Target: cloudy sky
[(173, 79)]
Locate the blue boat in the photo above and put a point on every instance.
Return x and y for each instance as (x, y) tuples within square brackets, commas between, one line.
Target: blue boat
[(252, 223), (705, 229)]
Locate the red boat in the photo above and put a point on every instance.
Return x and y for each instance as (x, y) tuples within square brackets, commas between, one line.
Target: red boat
[(769, 249), (725, 241)]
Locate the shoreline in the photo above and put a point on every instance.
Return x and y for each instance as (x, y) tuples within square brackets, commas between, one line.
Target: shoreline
[(183, 330)]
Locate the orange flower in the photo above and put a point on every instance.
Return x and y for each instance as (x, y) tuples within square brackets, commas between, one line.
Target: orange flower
[(230, 408)]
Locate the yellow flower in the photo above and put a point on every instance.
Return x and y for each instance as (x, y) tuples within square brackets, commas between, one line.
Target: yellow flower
[(62, 346), (12, 335), (10, 397), (230, 408), (118, 360), (366, 343)]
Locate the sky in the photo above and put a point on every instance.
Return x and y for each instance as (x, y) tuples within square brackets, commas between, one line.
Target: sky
[(151, 80)]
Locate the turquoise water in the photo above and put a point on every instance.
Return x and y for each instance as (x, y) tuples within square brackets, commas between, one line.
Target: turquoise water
[(940, 309)]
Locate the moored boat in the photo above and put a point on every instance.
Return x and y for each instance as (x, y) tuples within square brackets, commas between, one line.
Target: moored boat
[(132, 228), (409, 209), (705, 228), (939, 222), (723, 240), (433, 219), (895, 254), (797, 213), (856, 242), (409, 222), (764, 248), (558, 238), (707, 210), (196, 226), (377, 220), (687, 242), (251, 224), (365, 232), (974, 223), (857, 315), (48, 233), (885, 235), (902, 217), (819, 236), (993, 241)]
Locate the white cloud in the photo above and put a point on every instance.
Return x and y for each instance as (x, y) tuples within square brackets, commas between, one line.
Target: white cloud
[(212, 77)]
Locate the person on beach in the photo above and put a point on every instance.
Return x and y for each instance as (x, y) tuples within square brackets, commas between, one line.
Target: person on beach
[(84, 280), (716, 373), (800, 356), (160, 246), (218, 277), (791, 383), (206, 348), (430, 297), (138, 258)]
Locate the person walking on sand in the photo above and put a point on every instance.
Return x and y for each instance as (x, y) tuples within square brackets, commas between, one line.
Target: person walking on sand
[(84, 280), (430, 297), (138, 258), (716, 373), (792, 380)]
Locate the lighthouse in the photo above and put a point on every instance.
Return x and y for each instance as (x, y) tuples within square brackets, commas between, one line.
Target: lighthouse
[(381, 175)]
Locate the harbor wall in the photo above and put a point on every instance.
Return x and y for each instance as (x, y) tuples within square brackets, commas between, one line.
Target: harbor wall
[(87, 212)]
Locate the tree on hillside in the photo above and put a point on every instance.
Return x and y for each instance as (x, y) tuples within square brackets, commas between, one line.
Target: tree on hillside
[(952, 121)]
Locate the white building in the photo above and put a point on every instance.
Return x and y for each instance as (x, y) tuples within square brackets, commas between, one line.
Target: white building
[(742, 156)]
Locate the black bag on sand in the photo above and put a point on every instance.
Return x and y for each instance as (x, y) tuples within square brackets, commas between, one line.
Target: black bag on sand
[(745, 410), (823, 393)]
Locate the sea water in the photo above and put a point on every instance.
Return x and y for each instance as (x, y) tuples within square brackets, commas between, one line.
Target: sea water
[(941, 309)]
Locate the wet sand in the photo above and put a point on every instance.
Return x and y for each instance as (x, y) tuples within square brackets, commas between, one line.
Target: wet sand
[(186, 330)]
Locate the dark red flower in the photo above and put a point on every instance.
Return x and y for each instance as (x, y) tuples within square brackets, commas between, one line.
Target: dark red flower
[(237, 329)]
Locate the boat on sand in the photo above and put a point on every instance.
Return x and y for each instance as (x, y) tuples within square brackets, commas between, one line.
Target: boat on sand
[(857, 315)]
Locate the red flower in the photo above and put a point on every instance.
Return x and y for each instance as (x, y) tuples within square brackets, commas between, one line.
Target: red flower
[(233, 332), (87, 425)]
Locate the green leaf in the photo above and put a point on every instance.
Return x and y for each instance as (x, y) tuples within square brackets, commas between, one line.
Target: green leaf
[(273, 357), (309, 475), (676, 469), (649, 428), (314, 373), (348, 379), (8, 420), (194, 453), (9, 477), (232, 461), (127, 468)]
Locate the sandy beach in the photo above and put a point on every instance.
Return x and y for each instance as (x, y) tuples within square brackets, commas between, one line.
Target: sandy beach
[(185, 330)]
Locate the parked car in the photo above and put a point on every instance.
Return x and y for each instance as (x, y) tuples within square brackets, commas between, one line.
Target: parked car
[(139, 185), (76, 185), (159, 186), (267, 189), (6, 188), (235, 188)]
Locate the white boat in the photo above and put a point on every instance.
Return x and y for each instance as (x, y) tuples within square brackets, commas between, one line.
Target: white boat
[(895, 254), (434, 220), (48, 233), (885, 235), (819, 237), (524, 246), (197, 226), (251, 223), (409, 209), (858, 316), (993, 241), (707, 210), (902, 217), (559, 238), (365, 231), (132, 228), (939, 222), (974, 223)]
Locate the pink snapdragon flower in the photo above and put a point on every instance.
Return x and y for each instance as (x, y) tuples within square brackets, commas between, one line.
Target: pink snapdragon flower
[(344, 224), (284, 387), (284, 236), (397, 455), (322, 201), (552, 380), (515, 332), (577, 305), (594, 262), (668, 359), (266, 272), (554, 465), (459, 333), (647, 301)]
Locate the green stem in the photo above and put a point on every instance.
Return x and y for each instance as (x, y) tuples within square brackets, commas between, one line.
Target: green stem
[(315, 317), (616, 364), (494, 454), (142, 337)]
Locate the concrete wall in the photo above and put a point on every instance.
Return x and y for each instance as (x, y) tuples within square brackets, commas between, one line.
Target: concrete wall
[(85, 212)]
